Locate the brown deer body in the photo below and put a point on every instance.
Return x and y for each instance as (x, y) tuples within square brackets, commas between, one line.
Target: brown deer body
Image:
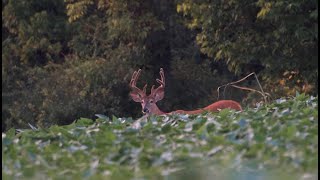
[(148, 102)]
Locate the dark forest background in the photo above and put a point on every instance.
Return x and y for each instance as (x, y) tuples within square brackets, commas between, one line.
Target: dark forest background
[(66, 59)]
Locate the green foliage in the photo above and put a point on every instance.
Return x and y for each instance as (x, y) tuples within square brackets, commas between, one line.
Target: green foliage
[(34, 35), (90, 78), (63, 60), (36, 31), (278, 37), (275, 141)]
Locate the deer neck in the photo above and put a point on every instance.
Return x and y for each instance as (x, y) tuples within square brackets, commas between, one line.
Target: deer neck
[(157, 111)]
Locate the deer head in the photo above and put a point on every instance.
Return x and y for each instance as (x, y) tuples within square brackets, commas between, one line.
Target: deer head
[(148, 102)]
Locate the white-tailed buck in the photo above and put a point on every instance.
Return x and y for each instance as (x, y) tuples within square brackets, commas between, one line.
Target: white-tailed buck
[(148, 102)]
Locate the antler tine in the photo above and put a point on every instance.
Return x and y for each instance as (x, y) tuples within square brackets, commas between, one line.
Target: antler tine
[(134, 78), (161, 82), (145, 88), (152, 89), (133, 81)]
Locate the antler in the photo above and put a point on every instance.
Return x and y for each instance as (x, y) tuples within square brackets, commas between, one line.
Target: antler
[(133, 82), (161, 82)]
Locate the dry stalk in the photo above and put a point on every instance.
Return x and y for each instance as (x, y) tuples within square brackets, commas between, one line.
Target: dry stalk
[(264, 95)]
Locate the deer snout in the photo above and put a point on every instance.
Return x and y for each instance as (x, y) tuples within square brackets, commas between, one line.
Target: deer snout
[(145, 110)]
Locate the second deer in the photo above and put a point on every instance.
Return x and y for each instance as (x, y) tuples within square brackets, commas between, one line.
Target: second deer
[(148, 102)]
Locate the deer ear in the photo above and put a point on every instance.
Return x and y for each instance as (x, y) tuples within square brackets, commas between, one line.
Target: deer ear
[(159, 95), (135, 97)]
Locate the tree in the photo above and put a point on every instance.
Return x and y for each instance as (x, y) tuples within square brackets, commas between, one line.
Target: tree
[(277, 37)]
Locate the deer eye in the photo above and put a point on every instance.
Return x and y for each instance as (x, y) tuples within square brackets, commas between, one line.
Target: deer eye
[(151, 101)]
